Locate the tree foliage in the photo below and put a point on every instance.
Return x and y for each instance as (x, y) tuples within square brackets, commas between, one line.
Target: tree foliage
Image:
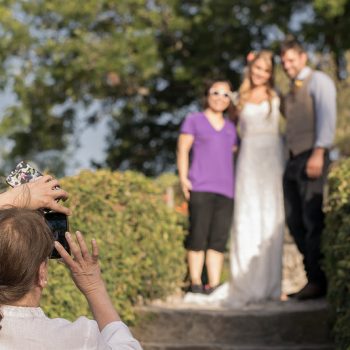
[(328, 30), (139, 63)]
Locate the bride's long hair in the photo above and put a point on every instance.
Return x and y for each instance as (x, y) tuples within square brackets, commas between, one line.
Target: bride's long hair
[(246, 87)]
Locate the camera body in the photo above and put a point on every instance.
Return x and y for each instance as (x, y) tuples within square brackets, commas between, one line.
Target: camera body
[(57, 222)]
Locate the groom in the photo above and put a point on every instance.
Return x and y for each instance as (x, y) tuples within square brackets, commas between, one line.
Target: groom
[(310, 111)]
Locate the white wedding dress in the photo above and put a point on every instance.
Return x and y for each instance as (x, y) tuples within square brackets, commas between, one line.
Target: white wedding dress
[(258, 224)]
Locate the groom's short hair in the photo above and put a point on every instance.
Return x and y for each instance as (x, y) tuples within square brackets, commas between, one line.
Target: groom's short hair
[(291, 44)]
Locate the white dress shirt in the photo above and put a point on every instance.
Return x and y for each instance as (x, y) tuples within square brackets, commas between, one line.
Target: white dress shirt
[(28, 328), (323, 91)]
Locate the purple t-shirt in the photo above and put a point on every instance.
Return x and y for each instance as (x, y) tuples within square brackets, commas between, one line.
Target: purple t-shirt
[(211, 167)]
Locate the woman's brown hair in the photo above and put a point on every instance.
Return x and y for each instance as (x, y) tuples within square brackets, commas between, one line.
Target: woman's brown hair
[(25, 242), (246, 86)]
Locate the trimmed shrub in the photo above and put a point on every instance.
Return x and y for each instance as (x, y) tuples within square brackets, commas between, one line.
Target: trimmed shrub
[(336, 247), (140, 241)]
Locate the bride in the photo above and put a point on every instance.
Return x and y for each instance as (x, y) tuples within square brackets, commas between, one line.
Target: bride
[(258, 222), (257, 236)]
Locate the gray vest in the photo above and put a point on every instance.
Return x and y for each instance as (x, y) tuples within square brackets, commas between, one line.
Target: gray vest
[(300, 115)]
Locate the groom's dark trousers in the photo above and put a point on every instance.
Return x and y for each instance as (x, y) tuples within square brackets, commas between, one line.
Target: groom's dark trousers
[(303, 206)]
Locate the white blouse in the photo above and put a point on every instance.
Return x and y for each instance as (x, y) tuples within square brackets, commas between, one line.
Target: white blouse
[(29, 328)]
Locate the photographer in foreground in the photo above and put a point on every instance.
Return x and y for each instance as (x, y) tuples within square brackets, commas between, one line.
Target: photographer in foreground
[(26, 242)]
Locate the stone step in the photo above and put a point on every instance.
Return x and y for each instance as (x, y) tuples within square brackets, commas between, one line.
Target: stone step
[(273, 326), (150, 346)]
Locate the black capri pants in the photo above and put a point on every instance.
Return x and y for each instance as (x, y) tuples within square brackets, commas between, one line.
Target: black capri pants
[(210, 217)]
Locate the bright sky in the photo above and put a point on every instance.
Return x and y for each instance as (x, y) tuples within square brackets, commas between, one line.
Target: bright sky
[(92, 142)]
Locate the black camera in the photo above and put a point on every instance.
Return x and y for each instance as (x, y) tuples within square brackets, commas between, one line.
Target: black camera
[(58, 224)]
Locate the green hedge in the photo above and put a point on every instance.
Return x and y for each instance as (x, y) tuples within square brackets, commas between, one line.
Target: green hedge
[(336, 247), (140, 240)]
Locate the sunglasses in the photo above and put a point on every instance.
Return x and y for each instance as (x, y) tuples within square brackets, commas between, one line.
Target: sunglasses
[(219, 93)]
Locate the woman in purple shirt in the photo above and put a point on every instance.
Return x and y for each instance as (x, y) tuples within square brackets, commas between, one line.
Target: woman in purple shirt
[(208, 183)]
